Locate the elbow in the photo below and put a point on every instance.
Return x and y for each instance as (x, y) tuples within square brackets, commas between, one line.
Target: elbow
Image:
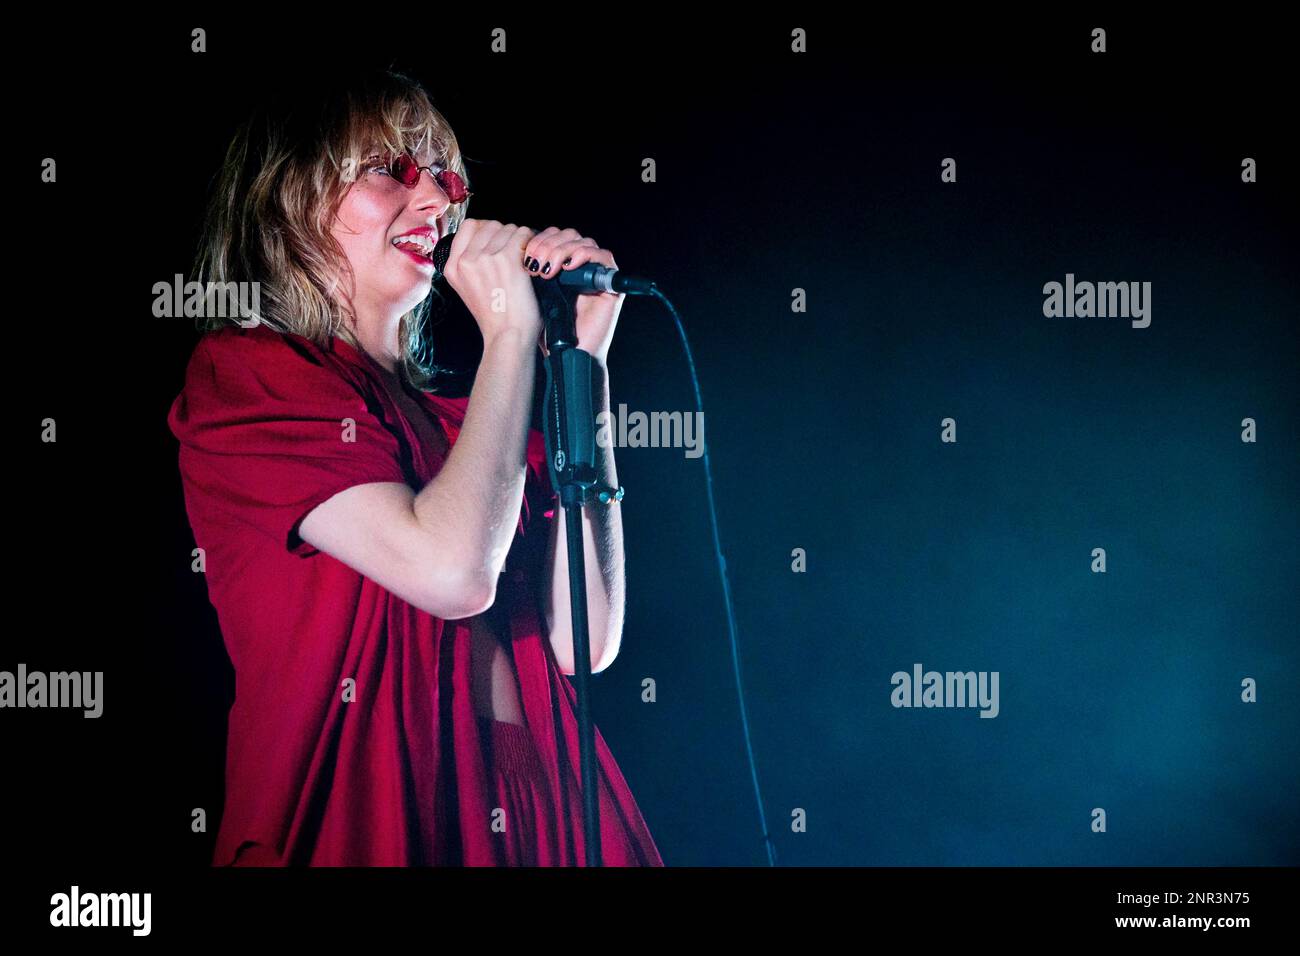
[(603, 652), (612, 629), (459, 596), (607, 655)]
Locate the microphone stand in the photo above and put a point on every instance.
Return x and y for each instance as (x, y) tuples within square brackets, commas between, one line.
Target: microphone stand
[(570, 422)]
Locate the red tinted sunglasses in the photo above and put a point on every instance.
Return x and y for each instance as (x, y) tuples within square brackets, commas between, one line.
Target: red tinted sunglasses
[(406, 171)]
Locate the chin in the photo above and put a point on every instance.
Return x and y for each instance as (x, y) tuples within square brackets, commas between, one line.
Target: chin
[(411, 293)]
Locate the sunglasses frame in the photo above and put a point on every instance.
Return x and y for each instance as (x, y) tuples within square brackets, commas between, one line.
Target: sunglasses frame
[(410, 180)]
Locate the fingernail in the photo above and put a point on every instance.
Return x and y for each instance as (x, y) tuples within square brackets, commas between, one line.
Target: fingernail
[(567, 261), (530, 263), (546, 268)]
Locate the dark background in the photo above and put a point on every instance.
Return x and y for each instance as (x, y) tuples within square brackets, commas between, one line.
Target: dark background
[(775, 171)]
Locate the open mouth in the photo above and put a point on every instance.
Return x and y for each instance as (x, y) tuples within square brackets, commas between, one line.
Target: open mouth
[(416, 245)]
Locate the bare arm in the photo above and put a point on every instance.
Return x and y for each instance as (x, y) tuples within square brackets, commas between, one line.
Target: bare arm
[(471, 508), (443, 549), (602, 540)]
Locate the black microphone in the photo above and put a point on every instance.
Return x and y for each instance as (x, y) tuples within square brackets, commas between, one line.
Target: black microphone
[(590, 277)]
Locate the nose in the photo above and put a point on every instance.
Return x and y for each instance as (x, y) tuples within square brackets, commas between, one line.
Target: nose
[(429, 195)]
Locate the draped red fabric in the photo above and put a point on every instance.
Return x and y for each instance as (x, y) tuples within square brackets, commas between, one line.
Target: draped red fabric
[(352, 740)]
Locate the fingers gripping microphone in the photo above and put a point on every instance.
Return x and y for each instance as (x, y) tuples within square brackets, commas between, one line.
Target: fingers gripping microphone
[(590, 277), (551, 298)]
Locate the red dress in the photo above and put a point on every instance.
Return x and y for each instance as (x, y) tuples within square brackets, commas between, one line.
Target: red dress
[(352, 740)]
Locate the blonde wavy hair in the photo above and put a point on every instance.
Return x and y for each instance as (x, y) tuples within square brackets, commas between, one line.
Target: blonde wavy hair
[(284, 176)]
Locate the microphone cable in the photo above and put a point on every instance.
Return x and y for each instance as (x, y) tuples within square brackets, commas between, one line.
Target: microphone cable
[(726, 587)]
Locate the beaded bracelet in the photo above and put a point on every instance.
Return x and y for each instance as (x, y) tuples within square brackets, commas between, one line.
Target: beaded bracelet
[(606, 498)]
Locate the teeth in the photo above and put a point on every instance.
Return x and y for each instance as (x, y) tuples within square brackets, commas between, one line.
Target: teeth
[(425, 243)]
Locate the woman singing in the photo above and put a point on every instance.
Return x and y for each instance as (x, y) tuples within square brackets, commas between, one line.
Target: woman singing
[(383, 561)]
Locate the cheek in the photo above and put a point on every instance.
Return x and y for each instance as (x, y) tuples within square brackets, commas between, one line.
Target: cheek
[(364, 219)]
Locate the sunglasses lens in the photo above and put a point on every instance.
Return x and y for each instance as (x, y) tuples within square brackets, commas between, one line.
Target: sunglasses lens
[(452, 185), (405, 171)]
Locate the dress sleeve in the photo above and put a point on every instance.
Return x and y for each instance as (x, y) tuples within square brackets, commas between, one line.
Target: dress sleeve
[(268, 430)]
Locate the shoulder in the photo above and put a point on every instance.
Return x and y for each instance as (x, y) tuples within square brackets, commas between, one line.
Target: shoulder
[(245, 378), (260, 359), (259, 346)]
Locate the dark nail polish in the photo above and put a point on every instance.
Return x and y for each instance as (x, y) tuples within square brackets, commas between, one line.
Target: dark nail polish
[(530, 263), (546, 268)]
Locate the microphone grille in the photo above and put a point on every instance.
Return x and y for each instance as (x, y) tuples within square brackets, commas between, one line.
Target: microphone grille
[(441, 253)]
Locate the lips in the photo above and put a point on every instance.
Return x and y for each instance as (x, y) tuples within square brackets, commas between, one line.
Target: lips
[(419, 257), (418, 241)]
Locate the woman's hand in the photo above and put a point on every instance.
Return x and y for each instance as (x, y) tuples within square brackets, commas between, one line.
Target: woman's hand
[(484, 270), (596, 315)]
